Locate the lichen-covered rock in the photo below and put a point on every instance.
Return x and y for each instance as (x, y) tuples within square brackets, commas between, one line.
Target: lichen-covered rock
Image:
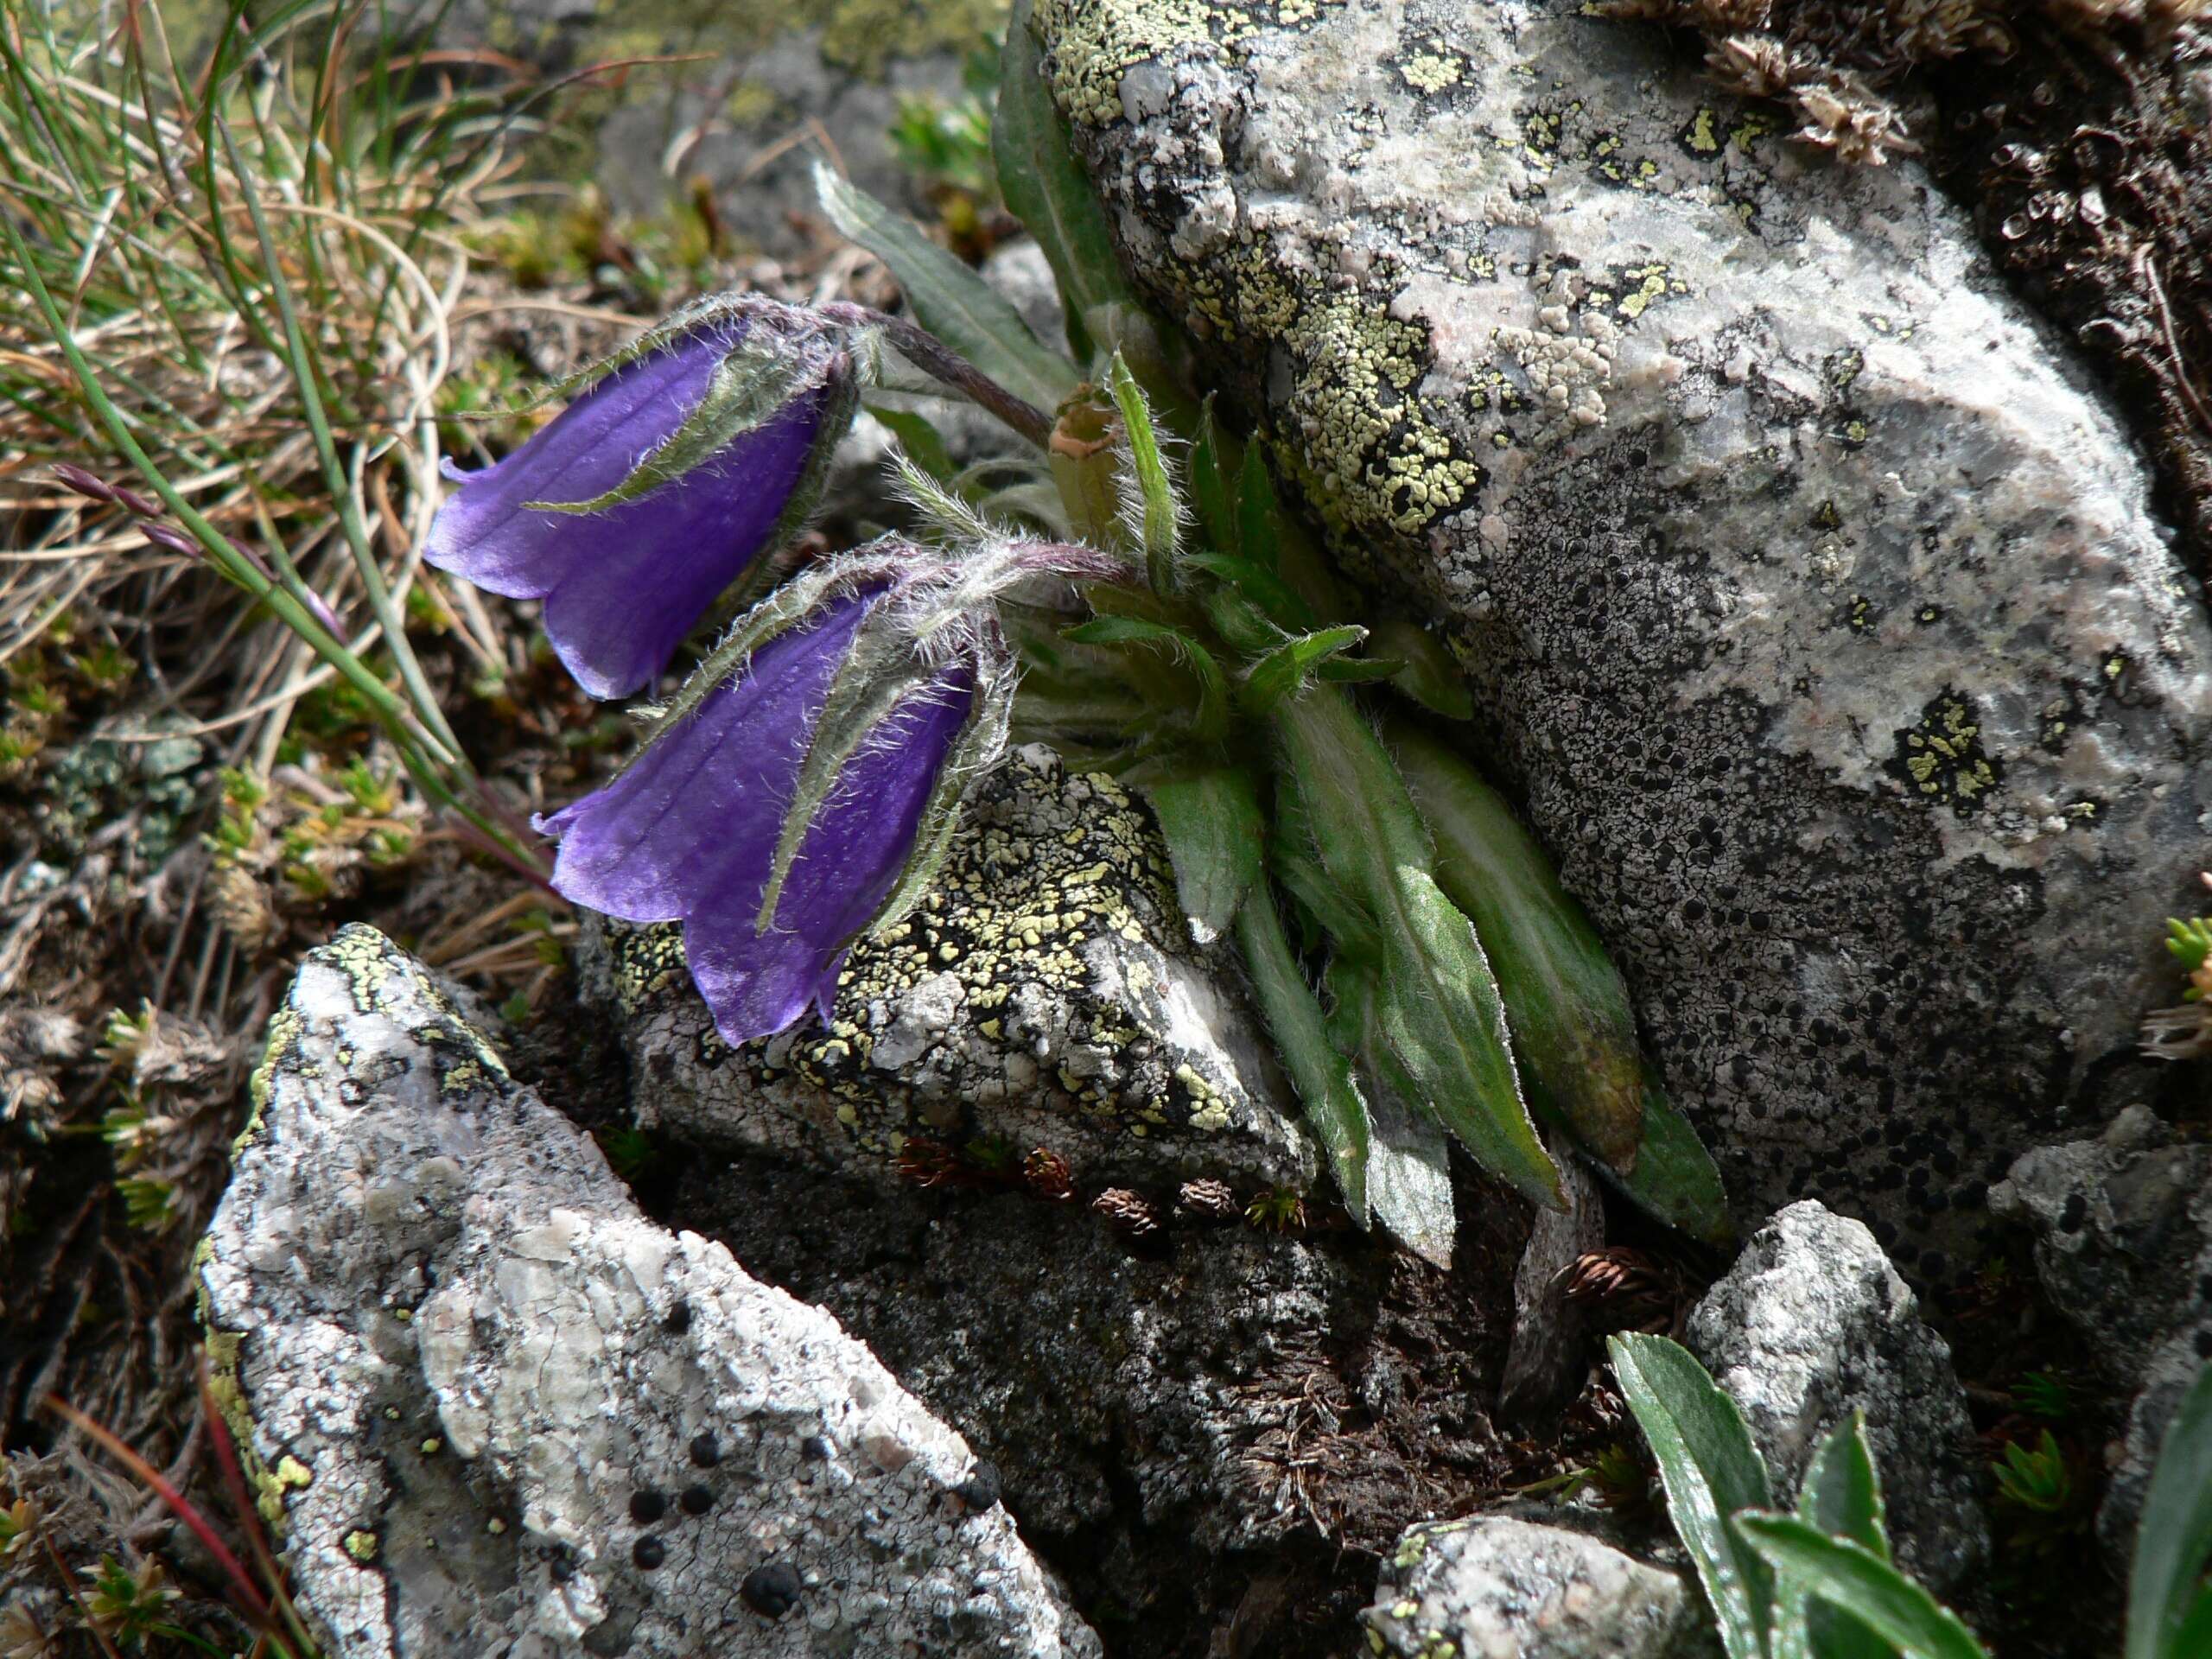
[(1814, 604), (1045, 994), (2123, 1228), (500, 1413), (1495, 1585), (1812, 1323)]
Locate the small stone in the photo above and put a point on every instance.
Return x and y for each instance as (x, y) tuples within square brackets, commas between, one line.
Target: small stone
[(981, 1489), (773, 1589)]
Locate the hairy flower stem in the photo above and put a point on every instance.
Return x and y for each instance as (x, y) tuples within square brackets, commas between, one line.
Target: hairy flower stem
[(930, 354)]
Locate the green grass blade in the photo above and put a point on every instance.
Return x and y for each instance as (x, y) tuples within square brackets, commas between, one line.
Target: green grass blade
[(1854, 1578), (2175, 1535)]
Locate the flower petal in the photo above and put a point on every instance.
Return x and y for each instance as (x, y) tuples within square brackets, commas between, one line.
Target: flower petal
[(699, 811), (757, 982), (483, 532), (649, 569)]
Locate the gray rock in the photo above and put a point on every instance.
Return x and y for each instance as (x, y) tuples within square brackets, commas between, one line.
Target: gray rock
[(1815, 605), (1811, 1324), (1494, 1586), (497, 1412), (1023, 278), (1045, 994), (2123, 1228)]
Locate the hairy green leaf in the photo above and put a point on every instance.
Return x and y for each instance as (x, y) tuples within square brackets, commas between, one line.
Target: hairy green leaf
[(924, 444), (1842, 1497), (1437, 1005), (1408, 1155), (1710, 1470), (1282, 672), (1155, 509), (962, 310), (2175, 1535), (1429, 676), (1856, 1579), (1211, 820), (1209, 486)]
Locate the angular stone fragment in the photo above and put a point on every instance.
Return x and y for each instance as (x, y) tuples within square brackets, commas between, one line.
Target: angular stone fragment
[(1812, 1323), (1495, 1585), (500, 1413), (2123, 1228), (1044, 994), (1814, 604)]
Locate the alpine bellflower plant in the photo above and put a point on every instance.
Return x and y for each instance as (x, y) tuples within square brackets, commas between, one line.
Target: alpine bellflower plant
[(685, 459)]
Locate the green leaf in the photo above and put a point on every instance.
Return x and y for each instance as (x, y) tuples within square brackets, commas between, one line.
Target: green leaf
[(1359, 671), (1842, 1497), (1438, 1009), (962, 310), (1210, 715), (1710, 1470), (1261, 586), (1156, 511), (1321, 1074), (924, 444), (1211, 822), (1430, 676), (1210, 485), (1856, 1579), (1282, 672), (2175, 1535), (1574, 1029), (1258, 517), (1408, 1155), (1045, 187)]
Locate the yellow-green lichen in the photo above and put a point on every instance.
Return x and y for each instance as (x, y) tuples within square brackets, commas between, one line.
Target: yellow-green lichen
[(361, 1544), (1942, 758)]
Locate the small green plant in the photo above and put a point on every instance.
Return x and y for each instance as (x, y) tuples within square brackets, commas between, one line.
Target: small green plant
[(1820, 1584), (2038, 1480), (2045, 1395), (2185, 1033)]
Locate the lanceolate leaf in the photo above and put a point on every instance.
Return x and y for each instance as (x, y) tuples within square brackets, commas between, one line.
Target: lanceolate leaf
[(1045, 187), (964, 311), (924, 444), (1322, 1075), (1710, 1470), (1210, 719), (2175, 1535), (1853, 1577), (1209, 486), (1573, 1028), (1437, 1007), (1429, 676), (1572, 1024), (1842, 1498), (1156, 508), (1408, 1155), (1211, 822)]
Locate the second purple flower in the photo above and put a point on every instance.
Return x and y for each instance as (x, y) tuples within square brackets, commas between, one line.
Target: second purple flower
[(686, 458)]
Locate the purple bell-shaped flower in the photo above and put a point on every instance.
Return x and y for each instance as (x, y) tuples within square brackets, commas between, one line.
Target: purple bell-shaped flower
[(686, 458), (790, 800)]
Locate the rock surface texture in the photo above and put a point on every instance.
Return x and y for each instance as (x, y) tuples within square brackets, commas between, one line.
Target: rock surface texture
[(1044, 996), (1495, 1585), (1813, 602), (500, 1413), (1812, 1323), (2123, 1228)]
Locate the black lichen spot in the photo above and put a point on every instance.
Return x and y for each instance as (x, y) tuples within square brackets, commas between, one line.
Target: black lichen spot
[(981, 1489), (678, 1320), (2205, 1344), (1942, 758), (817, 1448), (647, 1507), (706, 1451), (2076, 1211), (772, 1589), (1825, 517), (649, 1553), (696, 1500)]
